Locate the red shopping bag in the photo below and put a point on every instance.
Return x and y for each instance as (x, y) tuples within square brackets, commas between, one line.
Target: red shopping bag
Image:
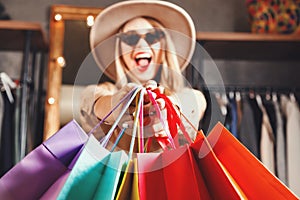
[(219, 182), (185, 173), (172, 174), (175, 174), (231, 171), (256, 181)]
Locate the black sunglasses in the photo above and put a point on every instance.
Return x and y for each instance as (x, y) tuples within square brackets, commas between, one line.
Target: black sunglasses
[(132, 37)]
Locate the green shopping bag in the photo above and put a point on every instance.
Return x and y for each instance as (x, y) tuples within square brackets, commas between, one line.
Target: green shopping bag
[(96, 173), (108, 183), (86, 173)]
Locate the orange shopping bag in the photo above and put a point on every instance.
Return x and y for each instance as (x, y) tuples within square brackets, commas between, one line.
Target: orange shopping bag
[(255, 180), (218, 181)]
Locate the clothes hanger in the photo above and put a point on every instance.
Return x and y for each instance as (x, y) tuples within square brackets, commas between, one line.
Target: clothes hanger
[(231, 94), (8, 84), (274, 97), (292, 97), (238, 96)]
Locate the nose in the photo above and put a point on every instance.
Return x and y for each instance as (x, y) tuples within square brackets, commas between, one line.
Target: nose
[(142, 43)]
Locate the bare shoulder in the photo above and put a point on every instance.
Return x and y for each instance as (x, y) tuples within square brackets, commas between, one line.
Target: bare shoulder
[(200, 98), (193, 100), (194, 94)]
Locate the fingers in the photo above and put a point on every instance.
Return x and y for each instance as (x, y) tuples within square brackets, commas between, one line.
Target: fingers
[(151, 84), (148, 108), (150, 116), (156, 129), (161, 103), (152, 123)]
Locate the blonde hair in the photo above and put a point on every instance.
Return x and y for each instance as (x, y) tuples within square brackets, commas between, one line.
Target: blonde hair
[(171, 76)]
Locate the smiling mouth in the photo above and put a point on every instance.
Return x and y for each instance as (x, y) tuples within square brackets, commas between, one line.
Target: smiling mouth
[(143, 60)]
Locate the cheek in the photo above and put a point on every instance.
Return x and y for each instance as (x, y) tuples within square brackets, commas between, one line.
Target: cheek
[(127, 59), (126, 55), (158, 52)]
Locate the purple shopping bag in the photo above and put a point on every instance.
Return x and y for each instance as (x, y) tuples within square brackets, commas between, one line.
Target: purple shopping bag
[(36, 172)]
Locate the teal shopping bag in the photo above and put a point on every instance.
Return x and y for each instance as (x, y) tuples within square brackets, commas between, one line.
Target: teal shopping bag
[(108, 184), (95, 174), (86, 173)]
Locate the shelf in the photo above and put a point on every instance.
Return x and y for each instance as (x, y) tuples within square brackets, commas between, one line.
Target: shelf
[(28, 38), (13, 35), (250, 46)]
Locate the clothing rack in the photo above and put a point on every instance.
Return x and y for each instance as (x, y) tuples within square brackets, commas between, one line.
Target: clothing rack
[(28, 38), (248, 89), (267, 123)]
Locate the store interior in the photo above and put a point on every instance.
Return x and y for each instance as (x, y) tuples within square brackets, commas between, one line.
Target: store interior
[(234, 64)]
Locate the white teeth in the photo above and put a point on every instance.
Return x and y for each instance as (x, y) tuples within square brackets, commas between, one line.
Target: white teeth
[(143, 55)]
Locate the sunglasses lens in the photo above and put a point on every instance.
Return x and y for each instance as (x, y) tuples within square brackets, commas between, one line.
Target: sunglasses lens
[(154, 37), (151, 38), (130, 39)]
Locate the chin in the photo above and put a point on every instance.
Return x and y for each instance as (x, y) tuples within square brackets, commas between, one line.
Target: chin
[(144, 79)]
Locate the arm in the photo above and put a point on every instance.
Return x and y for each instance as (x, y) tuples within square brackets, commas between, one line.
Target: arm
[(89, 96)]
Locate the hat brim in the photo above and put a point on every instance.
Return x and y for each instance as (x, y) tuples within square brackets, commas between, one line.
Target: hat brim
[(171, 16)]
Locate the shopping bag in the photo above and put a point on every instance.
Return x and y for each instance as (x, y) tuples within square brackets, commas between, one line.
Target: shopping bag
[(95, 165), (218, 182), (36, 172), (55, 188), (108, 184), (128, 185), (256, 181), (97, 171), (82, 180), (95, 175), (208, 172), (172, 174)]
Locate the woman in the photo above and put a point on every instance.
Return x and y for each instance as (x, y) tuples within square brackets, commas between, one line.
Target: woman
[(149, 48)]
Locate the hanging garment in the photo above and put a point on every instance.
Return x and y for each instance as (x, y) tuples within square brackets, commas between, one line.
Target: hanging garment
[(7, 139), (239, 109), (1, 116), (267, 139), (9, 87), (257, 119), (247, 135), (292, 113), (213, 113), (234, 115), (269, 105), (280, 144), (225, 108), (16, 120)]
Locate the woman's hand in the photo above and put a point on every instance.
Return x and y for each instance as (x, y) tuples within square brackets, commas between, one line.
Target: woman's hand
[(105, 104), (152, 121)]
